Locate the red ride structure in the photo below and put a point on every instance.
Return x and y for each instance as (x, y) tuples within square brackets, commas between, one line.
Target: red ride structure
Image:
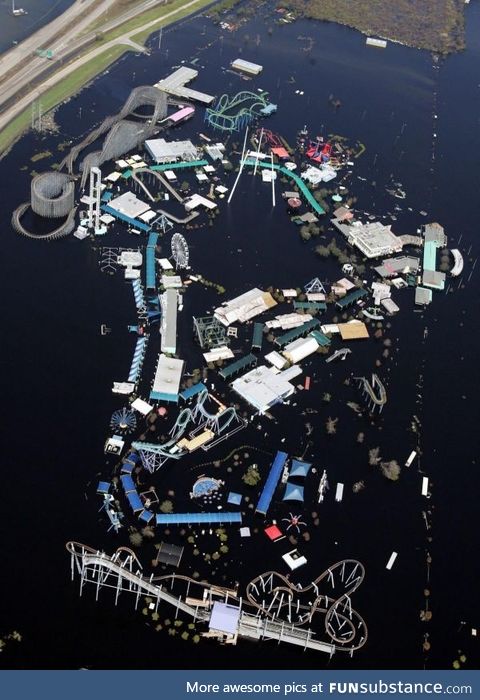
[(319, 151)]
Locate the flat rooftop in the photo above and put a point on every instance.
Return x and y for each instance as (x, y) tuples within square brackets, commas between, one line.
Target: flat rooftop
[(174, 84), (129, 205), (263, 387), (245, 306), (168, 376), (247, 66), (166, 151)]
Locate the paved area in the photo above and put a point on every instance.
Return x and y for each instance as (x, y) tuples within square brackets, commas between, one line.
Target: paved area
[(72, 38)]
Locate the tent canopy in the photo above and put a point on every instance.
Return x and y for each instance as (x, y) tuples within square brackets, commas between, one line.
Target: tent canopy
[(299, 468), (293, 492)]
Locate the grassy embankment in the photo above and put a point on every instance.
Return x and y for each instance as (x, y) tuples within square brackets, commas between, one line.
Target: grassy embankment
[(81, 76), (435, 25)]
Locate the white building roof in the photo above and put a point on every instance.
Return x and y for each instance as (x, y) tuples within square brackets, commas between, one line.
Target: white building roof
[(165, 264), (263, 387), (142, 407), (131, 274), (196, 200), (163, 151), (107, 219), (390, 306), (171, 281), (276, 359), (247, 66), (380, 291), (224, 618), (130, 258), (374, 239), (244, 307), (168, 329), (123, 387), (221, 353), (314, 175), (148, 216), (287, 321), (168, 375), (294, 559), (129, 205), (300, 348)]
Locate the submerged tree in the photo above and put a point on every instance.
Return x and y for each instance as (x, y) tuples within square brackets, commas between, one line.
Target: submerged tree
[(391, 470), (331, 425), (166, 506), (251, 476)]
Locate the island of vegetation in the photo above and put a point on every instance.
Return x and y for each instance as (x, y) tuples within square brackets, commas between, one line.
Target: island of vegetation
[(436, 25)]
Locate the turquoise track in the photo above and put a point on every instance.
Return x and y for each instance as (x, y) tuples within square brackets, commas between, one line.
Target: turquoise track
[(297, 180)]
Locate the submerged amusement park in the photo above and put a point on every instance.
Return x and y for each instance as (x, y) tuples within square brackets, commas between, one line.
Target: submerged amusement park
[(262, 265)]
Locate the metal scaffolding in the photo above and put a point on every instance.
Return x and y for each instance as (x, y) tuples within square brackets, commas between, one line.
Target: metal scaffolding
[(210, 332)]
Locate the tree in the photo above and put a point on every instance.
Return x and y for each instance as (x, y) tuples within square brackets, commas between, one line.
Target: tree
[(166, 506), (322, 251), (391, 470), (305, 233), (251, 476)]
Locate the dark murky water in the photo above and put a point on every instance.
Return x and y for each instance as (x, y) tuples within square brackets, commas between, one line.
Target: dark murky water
[(58, 370)]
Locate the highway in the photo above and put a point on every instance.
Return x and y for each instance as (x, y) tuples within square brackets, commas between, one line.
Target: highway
[(74, 37)]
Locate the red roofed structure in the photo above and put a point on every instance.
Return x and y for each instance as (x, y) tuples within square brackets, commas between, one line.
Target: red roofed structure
[(273, 533)]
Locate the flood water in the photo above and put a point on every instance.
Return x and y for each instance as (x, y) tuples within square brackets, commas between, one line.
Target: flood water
[(418, 119), (39, 13)]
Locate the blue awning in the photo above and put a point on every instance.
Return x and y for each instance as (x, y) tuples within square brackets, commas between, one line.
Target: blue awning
[(293, 492), (127, 483), (135, 501), (299, 468), (234, 498), (103, 487), (194, 518), (146, 516), (271, 483)]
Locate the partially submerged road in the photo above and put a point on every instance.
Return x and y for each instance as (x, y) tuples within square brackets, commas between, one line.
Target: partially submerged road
[(71, 39)]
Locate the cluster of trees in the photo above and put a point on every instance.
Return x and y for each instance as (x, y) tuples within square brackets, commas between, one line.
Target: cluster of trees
[(251, 476), (333, 249), (435, 25)]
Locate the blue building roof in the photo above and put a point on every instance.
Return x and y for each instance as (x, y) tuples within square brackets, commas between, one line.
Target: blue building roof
[(135, 501), (194, 518), (271, 483), (234, 499), (162, 396), (299, 468), (145, 516), (127, 483), (192, 391), (293, 492), (103, 487)]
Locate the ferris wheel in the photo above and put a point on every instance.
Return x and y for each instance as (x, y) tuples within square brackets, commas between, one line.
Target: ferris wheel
[(179, 250), (123, 421)]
